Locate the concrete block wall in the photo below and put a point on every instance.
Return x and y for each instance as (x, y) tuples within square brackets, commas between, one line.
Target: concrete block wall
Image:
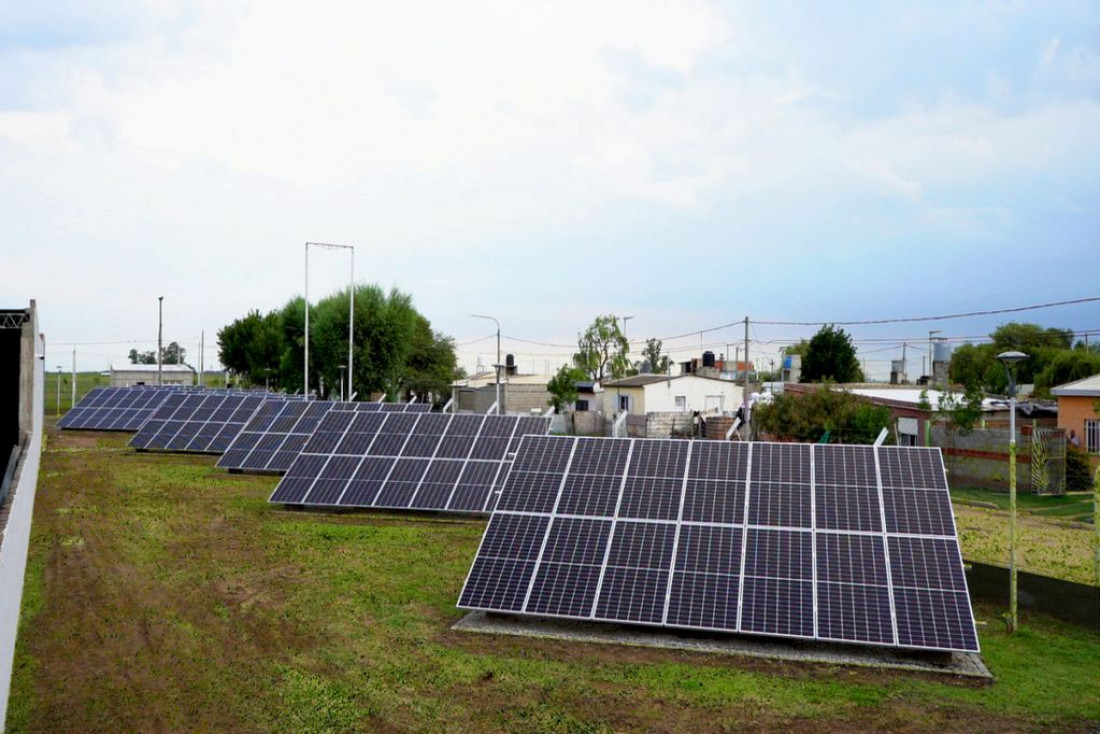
[(980, 458), (15, 517)]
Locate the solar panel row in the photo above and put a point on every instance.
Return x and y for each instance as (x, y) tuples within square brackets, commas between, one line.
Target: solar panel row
[(197, 422), (839, 543), (386, 459), (275, 435), (115, 408)]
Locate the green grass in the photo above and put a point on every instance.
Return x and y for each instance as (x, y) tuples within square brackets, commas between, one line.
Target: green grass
[(1077, 503), (191, 604), (85, 381)]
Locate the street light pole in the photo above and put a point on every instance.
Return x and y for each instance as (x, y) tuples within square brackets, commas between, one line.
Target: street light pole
[(1009, 359), (497, 365), (160, 339), (59, 389), (351, 312), (342, 368)]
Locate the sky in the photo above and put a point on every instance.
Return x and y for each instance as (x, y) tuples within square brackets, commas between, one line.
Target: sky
[(683, 164)]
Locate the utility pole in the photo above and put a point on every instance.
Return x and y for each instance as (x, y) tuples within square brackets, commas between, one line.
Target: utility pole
[(745, 397), (202, 354), (73, 403)]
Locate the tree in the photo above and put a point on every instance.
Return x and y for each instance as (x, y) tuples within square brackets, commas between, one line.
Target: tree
[(1066, 366), (173, 354), (563, 386), (652, 359), (800, 349), (831, 356), (846, 417), (395, 349), (137, 357), (602, 350), (431, 365)]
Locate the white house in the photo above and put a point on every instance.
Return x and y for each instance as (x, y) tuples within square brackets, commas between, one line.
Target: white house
[(642, 394), (146, 374)]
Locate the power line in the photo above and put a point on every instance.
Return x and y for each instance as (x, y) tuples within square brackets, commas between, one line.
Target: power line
[(900, 320)]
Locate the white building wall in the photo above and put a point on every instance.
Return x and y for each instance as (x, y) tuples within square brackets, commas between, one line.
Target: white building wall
[(15, 539), (661, 396)]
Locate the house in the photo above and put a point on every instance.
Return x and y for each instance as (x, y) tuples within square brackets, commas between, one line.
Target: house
[(659, 405), (1077, 412), (518, 393), (147, 374)]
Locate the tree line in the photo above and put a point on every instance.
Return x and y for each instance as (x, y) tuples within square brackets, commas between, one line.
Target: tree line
[(395, 349)]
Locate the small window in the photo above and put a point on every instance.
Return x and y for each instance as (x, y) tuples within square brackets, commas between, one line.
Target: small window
[(681, 403), (581, 406), (1092, 437), (624, 403)]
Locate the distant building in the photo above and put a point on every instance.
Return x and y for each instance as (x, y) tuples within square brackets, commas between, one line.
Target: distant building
[(1077, 403), (518, 393), (146, 374), (689, 393)]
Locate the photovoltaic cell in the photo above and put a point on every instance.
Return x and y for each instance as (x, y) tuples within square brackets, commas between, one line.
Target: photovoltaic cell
[(656, 532)]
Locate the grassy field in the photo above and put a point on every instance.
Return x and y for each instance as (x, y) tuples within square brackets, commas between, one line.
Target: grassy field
[(85, 381), (165, 595)]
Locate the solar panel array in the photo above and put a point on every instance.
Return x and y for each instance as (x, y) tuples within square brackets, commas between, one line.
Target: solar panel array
[(194, 421), (275, 435), (841, 543), (116, 408), (428, 461)]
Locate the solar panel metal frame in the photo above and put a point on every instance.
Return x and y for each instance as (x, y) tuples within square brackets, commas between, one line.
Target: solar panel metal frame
[(386, 444), (864, 580), (196, 421)]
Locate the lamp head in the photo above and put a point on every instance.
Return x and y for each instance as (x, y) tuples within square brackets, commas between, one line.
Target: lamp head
[(1010, 358)]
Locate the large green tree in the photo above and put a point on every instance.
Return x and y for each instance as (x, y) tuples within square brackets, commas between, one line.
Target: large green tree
[(846, 417), (395, 349), (831, 356), (602, 350), (1052, 359)]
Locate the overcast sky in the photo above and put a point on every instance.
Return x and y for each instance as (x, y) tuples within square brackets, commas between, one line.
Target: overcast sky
[(686, 164)]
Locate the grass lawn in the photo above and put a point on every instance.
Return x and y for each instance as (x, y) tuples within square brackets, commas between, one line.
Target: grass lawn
[(165, 595), (1053, 539)]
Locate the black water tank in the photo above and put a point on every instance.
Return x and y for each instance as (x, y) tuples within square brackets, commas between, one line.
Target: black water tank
[(708, 359)]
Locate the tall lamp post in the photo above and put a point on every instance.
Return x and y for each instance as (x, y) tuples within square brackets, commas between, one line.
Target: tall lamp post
[(160, 339), (59, 389), (351, 311), (342, 368), (1009, 360), (497, 365)]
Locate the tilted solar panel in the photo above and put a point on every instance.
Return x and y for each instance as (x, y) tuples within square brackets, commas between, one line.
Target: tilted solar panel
[(851, 544), (404, 460), (274, 436), (116, 408), (198, 421)]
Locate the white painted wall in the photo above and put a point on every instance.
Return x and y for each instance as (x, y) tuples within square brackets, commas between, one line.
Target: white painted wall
[(660, 397), (15, 539)]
